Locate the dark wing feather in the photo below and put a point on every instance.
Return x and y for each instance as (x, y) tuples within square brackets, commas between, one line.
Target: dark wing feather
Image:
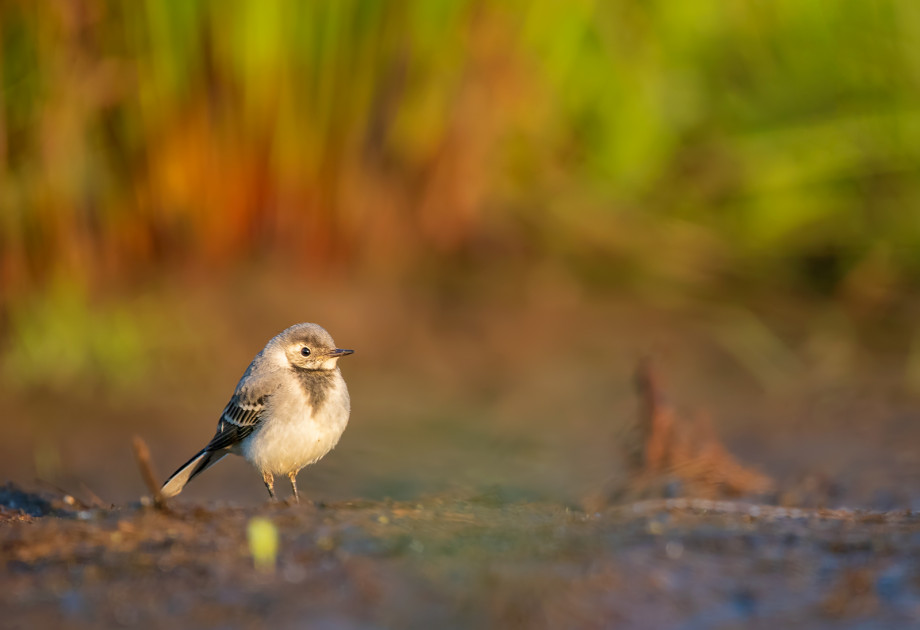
[(241, 416)]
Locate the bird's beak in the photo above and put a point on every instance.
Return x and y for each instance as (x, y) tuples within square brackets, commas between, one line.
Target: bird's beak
[(339, 352)]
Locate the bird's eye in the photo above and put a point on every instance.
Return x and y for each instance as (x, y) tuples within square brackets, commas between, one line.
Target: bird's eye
[(305, 351)]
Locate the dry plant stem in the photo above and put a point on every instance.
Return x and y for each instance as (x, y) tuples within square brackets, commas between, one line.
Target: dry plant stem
[(94, 498), (671, 445), (142, 454), (62, 492), (656, 420)]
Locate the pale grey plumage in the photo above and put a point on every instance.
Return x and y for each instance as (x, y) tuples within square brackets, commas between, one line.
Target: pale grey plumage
[(288, 410)]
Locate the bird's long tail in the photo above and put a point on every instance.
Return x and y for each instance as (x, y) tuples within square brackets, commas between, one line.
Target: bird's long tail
[(193, 467)]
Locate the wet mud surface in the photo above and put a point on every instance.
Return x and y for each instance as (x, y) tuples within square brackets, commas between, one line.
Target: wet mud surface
[(458, 562)]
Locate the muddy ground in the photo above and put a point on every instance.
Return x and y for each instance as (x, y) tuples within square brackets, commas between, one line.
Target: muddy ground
[(465, 490), (460, 563)]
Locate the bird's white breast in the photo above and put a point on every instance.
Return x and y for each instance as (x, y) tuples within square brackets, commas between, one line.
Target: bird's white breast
[(294, 433)]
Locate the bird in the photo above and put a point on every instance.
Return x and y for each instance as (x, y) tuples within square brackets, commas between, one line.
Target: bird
[(288, 411)]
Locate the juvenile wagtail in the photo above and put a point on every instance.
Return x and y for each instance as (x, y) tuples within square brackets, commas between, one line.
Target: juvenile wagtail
[(289, 410)]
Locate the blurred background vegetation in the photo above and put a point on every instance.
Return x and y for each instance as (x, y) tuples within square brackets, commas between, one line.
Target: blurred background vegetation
[(661, 148)]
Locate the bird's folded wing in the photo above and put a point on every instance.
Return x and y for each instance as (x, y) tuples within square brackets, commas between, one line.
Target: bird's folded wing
[(241, 416)]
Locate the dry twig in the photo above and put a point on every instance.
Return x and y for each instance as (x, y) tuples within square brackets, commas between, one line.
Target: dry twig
[(142, 454), (670, 447)]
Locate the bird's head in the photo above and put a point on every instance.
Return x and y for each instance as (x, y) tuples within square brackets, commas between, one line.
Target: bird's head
[(310, 347)]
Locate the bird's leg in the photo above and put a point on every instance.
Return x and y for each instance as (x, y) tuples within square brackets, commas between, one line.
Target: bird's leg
[(269, 480), (293, 477)]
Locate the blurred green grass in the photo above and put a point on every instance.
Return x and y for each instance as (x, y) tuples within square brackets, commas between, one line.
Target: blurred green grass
[(715, 146)]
